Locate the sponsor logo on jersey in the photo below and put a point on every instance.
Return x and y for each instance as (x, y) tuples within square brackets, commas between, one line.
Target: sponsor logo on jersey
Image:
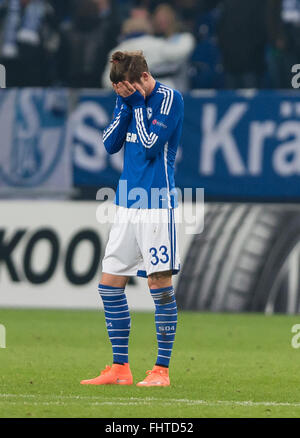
[(156, 122), (131, 137)]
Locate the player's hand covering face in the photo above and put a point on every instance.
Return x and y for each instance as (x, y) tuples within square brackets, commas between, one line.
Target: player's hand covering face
[(125, 88)]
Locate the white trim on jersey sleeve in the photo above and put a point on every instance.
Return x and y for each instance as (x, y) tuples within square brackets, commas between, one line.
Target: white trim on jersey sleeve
[(166, 173), (107, 132), (147, 140), (167, 100)]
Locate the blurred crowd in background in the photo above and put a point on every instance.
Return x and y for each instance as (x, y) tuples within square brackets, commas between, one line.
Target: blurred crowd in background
[(189, 44)]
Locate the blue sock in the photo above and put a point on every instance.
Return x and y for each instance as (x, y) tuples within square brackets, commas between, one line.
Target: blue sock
[(165, 321), (117, 319)]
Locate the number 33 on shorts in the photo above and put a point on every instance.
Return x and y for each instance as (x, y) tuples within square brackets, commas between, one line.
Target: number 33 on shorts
[(159, 255)]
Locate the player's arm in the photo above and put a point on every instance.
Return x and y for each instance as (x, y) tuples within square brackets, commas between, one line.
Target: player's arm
[(115, 134), (154, 136)]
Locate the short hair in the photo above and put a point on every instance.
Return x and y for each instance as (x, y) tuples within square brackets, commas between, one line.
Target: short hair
[(127, 66)]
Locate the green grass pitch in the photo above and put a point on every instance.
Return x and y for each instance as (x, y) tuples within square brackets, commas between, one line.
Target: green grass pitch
[(223, 365)]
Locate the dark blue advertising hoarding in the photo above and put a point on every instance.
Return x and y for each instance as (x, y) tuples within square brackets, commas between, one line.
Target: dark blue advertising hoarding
[(235, 145)]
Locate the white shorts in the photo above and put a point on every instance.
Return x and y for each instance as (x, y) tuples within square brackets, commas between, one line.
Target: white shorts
[(141, 242)]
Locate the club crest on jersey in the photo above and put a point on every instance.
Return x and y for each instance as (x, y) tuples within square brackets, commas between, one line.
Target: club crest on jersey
[(131, 137), (149, 112)]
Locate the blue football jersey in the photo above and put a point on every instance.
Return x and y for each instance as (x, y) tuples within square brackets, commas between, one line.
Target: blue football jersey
[(150, 130)]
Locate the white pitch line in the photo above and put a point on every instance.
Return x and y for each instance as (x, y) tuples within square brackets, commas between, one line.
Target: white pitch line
[(94, 400), (62, 403)]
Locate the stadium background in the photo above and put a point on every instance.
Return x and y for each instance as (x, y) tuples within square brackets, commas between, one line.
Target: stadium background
[(240, 143), (232, 61)]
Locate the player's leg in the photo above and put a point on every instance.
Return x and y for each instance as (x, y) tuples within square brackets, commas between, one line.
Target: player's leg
[(160, 285), (161, 259), (114, 280), (112, 291), (118, 264), (117, 317), (159, 280), (162, 291)]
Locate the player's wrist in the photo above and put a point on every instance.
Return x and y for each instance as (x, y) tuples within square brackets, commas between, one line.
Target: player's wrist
[(123, 104), (135, 99)]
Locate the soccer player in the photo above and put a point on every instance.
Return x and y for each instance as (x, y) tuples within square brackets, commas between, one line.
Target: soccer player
[(147, 122)]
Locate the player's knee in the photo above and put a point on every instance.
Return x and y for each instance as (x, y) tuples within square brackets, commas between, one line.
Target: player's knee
[(113, 280), (158, 280)]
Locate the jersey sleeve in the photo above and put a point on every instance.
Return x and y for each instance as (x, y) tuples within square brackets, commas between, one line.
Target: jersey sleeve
[(114, 135), (153, 137)]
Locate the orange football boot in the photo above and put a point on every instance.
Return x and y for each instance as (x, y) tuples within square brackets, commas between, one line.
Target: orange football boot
[(115, 375), (158, 376)]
